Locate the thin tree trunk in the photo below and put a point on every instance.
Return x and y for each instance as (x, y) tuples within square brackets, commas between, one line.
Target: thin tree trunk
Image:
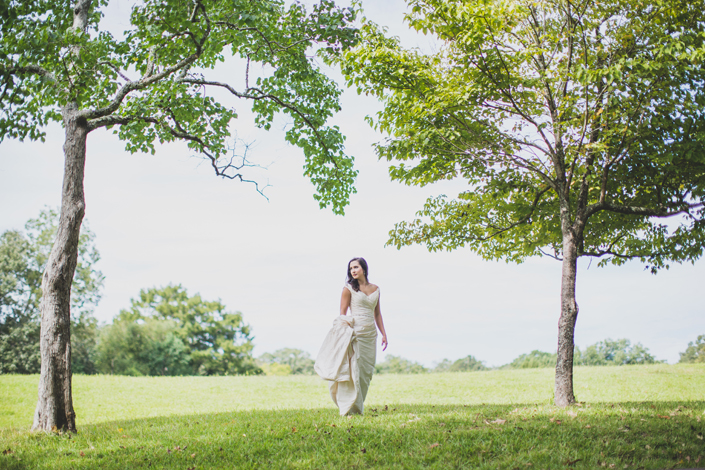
[(55, 405), (566, 324)]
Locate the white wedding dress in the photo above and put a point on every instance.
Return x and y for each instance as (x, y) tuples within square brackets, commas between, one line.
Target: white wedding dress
[(347, 357)]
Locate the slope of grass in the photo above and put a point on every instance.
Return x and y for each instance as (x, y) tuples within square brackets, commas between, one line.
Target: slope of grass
[(629, 417)]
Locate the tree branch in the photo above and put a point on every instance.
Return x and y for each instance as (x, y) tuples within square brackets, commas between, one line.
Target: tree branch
[(523, 220), (138, 85), (661, 211), (178, 132), (29, 69), (263, 96), (268, 42)]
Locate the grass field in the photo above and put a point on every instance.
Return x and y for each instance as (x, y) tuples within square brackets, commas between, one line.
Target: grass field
[(628, 417)]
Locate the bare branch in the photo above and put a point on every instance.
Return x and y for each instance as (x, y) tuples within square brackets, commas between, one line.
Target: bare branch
[(221, 169), (260, 95), (601, 253), (556, 257), (115, 68)]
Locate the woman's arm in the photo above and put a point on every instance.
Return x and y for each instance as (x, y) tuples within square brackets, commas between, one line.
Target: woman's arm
[(345, 301), (380, 325)]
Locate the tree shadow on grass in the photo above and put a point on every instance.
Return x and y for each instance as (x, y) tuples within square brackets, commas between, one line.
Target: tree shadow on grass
[(607, 435)]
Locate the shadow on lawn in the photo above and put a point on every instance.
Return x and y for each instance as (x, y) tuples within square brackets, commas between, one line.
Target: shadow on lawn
[(619, 435)]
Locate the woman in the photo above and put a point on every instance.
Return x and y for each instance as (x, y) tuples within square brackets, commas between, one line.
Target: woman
[(347, 357)]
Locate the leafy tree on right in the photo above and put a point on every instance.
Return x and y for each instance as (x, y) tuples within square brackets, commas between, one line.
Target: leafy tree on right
[(578, 127)]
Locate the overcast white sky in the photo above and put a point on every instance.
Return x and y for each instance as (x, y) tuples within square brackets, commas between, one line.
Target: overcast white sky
[(166, 219)]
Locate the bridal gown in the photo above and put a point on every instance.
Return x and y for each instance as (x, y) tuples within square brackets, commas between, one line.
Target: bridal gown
[(347, 357)]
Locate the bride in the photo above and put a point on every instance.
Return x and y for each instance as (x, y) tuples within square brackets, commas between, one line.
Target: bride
[(347, 357)]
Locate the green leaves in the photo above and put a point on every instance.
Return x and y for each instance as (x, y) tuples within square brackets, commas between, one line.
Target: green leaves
[(581, 120), (23, 257), (153, 82), (695, 352)]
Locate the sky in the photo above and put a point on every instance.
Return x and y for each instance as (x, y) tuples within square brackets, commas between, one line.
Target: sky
[(167, 219)]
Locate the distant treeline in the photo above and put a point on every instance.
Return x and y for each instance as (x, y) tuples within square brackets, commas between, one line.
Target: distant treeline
[(603, 353)]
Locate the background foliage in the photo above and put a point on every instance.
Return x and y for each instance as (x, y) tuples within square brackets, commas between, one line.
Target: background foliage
[(168, 332), (23, 257), (695, 352), (286, 361)]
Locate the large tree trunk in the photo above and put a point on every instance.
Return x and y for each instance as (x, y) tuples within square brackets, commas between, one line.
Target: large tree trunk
[(566, 324), (55, 406)]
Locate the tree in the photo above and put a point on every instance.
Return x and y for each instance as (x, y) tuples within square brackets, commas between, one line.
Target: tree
[(217, 342), (56, 64), (399, 365), (299, 362), (614, 353), (23, 257), (465, 364), (579, 128), (535, 359), (695, 352)]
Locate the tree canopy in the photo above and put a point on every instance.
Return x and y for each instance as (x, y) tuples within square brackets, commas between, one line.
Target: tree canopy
[(600, 103), (577, 126), (150, 83)]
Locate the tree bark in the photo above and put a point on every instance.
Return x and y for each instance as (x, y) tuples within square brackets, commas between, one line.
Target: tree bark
[(563, 394), (55, 405)]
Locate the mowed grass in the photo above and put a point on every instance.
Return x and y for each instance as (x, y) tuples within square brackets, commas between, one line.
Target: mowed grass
[(628, 417)]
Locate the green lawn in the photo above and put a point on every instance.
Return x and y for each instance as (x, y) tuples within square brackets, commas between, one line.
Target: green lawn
[(629, 417)]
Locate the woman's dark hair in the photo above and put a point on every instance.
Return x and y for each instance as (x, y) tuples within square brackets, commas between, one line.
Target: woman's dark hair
[(353, 282)]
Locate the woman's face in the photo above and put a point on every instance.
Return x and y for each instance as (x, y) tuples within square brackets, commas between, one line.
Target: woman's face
[(356, 270)]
